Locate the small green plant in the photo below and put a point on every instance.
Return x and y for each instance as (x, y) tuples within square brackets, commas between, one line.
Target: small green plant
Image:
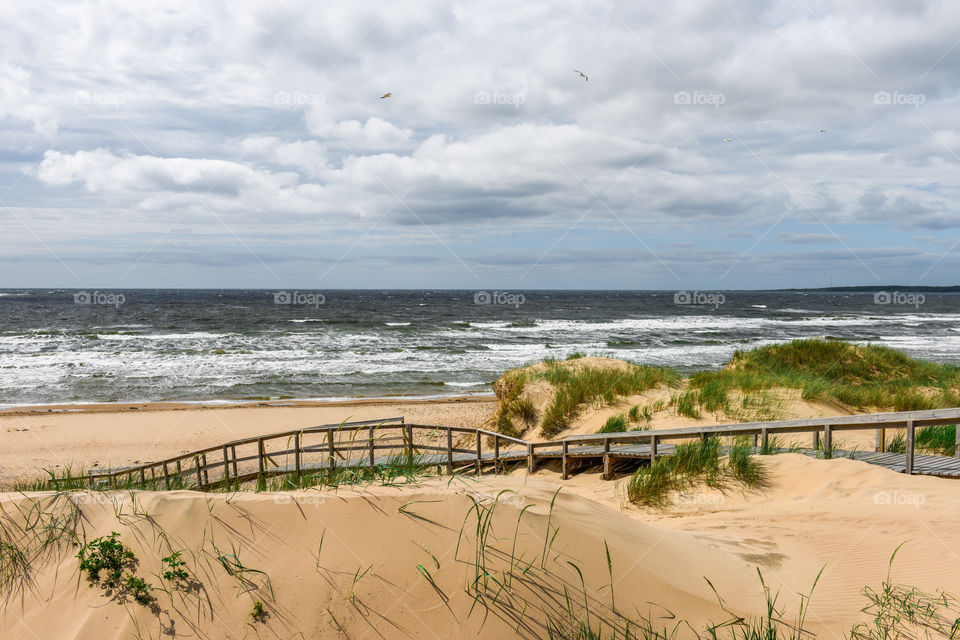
[(634, 413), (106, 555), (138, 588), (524, 409), (897, 444), (651, 486), (614, 424), (576, 355), (695, 463), (686, 404), (258, 614), (899, 611), (174, 568)]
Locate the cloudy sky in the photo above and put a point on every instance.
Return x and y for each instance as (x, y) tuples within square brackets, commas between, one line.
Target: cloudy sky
[(245, 144)]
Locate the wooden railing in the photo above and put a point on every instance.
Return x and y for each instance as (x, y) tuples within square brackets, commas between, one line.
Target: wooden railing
[(349, 444), (761, 431), (367, 443)]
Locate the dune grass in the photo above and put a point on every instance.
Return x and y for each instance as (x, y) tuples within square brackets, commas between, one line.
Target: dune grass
[(614, 424), (397, 469), (694, 464), (858, 376), (574, 388)]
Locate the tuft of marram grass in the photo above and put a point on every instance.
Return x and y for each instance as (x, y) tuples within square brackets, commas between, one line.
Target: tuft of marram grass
[(692, 464), (861, 376), (614, 424), (575, 387)]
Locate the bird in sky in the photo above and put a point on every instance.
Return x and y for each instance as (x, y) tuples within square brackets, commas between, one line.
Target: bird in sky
[(386, 95), (582, 75), (728, 139), (823, 130)]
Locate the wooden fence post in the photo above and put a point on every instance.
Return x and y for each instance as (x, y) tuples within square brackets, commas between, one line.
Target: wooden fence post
[(764, 441), (479, 452), (563, 463), (956, 450), (531, 463), (226, 467), (827, 442), (881, 440), (330, 448), (261, 453), (449, 450), (816, 439), (496, 453), (373, 455), (233, 454), (166, 476), (606, 458), (910, 446), (196, 463), (296, 452), (653, 448), (409, 431)]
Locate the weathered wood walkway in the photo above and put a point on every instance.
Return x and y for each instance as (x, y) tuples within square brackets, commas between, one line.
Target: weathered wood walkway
[(372, 443)]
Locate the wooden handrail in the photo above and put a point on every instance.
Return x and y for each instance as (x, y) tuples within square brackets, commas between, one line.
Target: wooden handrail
[(367, 436)]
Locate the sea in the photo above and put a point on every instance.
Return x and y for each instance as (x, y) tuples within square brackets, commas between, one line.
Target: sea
[(85, 346)]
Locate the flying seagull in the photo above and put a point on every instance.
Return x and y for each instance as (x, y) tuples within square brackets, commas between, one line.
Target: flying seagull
[(586, 79), (728, 139), (823, 130), (386, 95)]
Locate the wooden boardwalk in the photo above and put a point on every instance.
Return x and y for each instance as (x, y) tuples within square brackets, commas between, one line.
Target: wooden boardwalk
[(373, 443)]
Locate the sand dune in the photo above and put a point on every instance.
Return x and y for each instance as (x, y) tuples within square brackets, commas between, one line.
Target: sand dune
[(379, 545)]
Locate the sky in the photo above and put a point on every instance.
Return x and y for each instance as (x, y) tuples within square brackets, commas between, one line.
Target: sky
[(712, 145)]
